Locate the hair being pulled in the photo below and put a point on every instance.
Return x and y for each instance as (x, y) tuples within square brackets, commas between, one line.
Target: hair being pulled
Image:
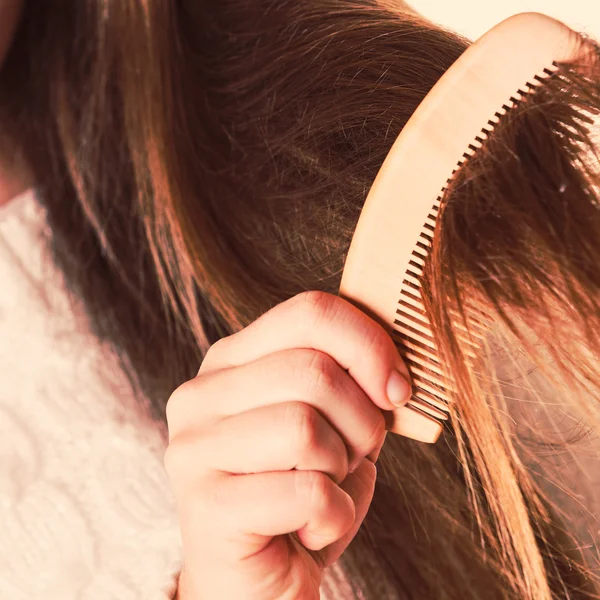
[(202, 161)]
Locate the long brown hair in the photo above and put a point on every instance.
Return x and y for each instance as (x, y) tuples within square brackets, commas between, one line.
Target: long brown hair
[(202, 161)]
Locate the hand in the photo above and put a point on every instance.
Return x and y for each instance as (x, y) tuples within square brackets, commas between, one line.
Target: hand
[(267, 448)]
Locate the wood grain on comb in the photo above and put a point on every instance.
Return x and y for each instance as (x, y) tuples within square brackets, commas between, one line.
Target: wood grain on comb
[(411, 329), (395, 231)]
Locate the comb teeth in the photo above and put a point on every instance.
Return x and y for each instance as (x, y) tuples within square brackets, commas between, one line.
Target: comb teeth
[(412, 329), (413, 336), (451, 124), (531, 87)]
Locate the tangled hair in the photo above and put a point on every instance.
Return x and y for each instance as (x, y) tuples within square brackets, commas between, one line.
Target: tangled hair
[(203, 161)]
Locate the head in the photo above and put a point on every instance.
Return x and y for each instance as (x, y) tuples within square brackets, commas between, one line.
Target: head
[(201, 162)]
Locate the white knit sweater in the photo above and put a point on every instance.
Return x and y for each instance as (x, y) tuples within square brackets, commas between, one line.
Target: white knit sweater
[(85, 508), (86, 511)]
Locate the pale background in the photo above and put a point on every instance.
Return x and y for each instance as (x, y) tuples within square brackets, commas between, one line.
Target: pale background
[(472, 18)]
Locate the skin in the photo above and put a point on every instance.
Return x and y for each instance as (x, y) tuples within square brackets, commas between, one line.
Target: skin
[(272, 446), (271, 467), (272, 449), (263, 440), (14, 176)]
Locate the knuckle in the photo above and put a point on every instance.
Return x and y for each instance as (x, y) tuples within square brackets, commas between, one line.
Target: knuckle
[(171, 408), (221, 502), (176, 399), (376, 341), (173, 460), (186, 456), (213, 350), (313, 489), (315, 306), (320, 372), (215, 497), (303, 420)]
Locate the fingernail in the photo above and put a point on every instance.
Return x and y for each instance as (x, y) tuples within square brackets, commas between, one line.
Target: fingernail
[(398, 389)]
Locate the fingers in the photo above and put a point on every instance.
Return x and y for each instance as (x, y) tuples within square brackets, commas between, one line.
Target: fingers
[(326, 323), (263, 441), (296, 375), (251, 509), (282, 437), (360, 486)]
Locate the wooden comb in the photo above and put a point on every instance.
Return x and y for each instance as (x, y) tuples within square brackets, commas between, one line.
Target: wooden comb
[(384, 266)]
